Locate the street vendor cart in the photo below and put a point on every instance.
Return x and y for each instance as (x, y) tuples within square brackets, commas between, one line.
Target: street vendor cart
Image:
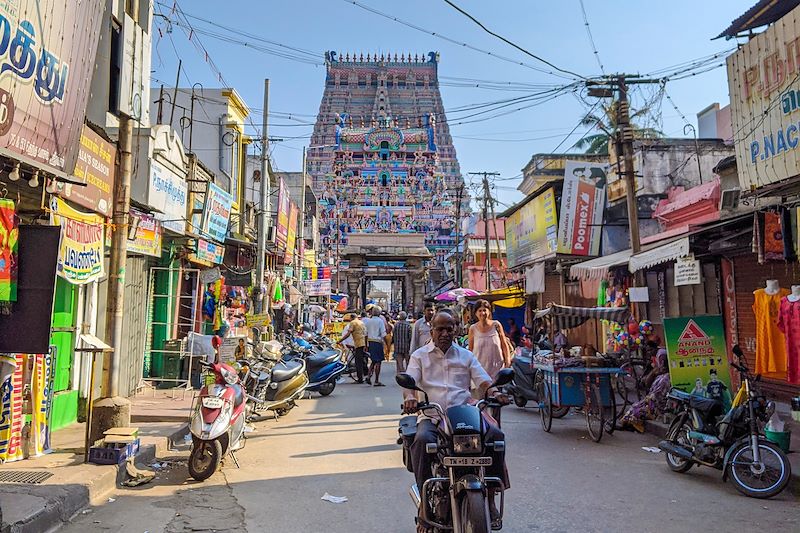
[(575, 381)]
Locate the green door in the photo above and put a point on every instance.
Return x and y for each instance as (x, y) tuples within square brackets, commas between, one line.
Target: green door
[(65, 402)]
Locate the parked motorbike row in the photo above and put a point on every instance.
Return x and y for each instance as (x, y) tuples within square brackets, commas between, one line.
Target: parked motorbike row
[(272, 378)]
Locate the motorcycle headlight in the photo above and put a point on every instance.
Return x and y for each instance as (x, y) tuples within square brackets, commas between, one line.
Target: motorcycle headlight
[(769, 410), (231, 378), (467, 443)]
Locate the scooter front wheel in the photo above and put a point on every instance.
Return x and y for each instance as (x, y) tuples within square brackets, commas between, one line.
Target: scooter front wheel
[(327, 388), (205, 459)]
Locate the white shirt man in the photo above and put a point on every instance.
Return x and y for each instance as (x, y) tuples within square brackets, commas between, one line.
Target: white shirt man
[(376, 328)]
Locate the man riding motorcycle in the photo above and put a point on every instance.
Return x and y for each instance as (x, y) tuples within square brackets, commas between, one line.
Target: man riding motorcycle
[(444, 371)]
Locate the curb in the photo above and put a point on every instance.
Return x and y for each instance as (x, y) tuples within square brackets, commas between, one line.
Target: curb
[(45, 508)]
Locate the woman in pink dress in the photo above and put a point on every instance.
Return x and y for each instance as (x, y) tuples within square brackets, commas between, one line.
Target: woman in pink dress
[(488, 341)]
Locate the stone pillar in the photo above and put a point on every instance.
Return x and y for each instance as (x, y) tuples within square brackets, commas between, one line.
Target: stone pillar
[(353, 293), (418, 290)]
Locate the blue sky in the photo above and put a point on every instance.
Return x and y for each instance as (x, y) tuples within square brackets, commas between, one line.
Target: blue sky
[(630, 36)]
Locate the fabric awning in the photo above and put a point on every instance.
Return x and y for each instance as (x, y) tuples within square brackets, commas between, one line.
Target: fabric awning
[(598, 268), (666, 252), (566, 317)]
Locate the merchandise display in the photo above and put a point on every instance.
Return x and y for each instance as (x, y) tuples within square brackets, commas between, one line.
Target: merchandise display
[(770, 340), (789, 324)]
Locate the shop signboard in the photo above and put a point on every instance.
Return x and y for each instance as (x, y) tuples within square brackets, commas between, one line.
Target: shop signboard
[(531, 230), (230, 346), (687, 271), (216, 213), (697, 352), (255, 320), (47, 54), (317, 287), (207, 253), (168, 194), (95, 167), (764, 85), (583, 200), (282, 227), (147, 237), (291, 234), (80, 254)]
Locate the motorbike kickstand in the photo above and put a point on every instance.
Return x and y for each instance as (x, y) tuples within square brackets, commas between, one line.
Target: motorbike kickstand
[(235, 461)]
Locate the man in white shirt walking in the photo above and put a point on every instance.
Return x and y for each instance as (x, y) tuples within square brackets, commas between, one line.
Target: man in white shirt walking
[(444, 370), (421, 330), (376, 336)]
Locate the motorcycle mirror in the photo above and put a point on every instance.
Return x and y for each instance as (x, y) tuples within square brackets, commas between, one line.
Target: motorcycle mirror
[(504, 377), (737, 351), (407, 382)]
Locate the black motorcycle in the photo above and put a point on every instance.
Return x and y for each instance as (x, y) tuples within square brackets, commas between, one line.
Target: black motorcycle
[(528, 384), (456, 498), (733, 443)]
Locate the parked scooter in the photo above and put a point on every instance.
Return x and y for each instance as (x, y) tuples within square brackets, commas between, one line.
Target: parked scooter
[(528, 383), (217, 425), (324, 365), (275, 384), (734, 443)]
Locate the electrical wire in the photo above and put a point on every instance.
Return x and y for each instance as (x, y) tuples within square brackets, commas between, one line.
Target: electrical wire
[(523, 50), (591, 38)]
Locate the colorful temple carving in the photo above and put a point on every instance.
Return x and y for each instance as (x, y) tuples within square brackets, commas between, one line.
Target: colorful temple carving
[(381, 154)]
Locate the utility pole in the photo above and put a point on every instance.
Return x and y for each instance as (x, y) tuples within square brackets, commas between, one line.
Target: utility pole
[(625, 138), (487, 197), (263, 204), (459, 255), (301, 252)]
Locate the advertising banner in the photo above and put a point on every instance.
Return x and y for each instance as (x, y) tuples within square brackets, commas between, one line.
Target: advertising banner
[(319, 287), (42, 400), (282, 227), (208, 253), (764, 86), (697, 353), (95, 167), (12, 418), (9, 257), (80, 255), (233, 348), (216, 213), (582, 201), (168, 194), (47, 56), (147, 240), (531, 230), (291, 238)]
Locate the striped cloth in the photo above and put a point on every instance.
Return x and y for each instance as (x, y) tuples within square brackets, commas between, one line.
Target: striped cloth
[(401, 334), (565, 317)]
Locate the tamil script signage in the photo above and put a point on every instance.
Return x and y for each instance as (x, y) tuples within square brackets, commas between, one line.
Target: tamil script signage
[(764, 85), (47, 56), (531, 230), (696, 353), (80, 254), (318, 287), (217, 213), (291, 234), (687, 271), (582, 201), (207, 253), (282, 228), (168, 194), (148, 235), (95, 168)]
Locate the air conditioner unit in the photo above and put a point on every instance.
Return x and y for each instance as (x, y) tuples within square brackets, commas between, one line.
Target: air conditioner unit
[(730, 198)]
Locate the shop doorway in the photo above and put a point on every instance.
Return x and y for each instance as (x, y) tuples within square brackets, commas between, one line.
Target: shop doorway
[(173, 312), (65, 306)]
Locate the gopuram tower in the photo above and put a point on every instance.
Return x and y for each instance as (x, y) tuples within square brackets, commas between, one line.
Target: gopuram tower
[(385, 172)]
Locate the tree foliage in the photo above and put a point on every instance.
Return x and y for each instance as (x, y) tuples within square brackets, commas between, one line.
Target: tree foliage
[(606, 122)]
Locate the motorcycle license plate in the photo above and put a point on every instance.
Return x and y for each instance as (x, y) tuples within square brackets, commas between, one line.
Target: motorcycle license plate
[(467, 461), (210, 402)]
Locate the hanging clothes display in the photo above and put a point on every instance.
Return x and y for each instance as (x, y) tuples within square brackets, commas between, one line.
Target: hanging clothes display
[(773, 236), (41, 401), (11, 416), (9, 234), (770, 341), (789, 324)]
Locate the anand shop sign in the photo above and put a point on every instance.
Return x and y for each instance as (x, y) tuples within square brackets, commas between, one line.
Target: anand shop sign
[(47, 52), (764, 84)]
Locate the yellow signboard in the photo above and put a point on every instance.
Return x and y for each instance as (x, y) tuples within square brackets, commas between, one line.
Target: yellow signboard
[(80, 255), (531, 231), (261, 319)]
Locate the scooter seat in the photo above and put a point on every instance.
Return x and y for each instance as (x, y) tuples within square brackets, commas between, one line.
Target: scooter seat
[(321, 359), (707, 406), (287, 370)]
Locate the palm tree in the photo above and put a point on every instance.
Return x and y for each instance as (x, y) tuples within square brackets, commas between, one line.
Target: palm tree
[(607, 124)]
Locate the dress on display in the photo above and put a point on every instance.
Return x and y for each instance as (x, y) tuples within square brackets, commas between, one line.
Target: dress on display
[(770, 341), (789, 324)]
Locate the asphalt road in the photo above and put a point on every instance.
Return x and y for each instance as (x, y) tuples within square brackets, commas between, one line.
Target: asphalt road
[(345, 445)]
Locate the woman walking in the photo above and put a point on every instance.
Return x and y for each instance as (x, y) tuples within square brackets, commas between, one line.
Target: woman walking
[(488, 341)]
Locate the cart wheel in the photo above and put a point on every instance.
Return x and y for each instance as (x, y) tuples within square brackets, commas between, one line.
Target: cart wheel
[(610, 413), (545, 406), (595, 419)]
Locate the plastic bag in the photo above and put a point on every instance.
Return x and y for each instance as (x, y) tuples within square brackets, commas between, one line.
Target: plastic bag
[(775, 423)]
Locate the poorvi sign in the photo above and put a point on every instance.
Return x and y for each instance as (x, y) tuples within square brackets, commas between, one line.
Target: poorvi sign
[(764, 84)]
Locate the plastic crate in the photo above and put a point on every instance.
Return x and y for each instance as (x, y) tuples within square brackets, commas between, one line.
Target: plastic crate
[(102, 455)]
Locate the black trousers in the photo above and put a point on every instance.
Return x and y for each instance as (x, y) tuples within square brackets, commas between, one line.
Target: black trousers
[(422, 461), (361, 362)]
